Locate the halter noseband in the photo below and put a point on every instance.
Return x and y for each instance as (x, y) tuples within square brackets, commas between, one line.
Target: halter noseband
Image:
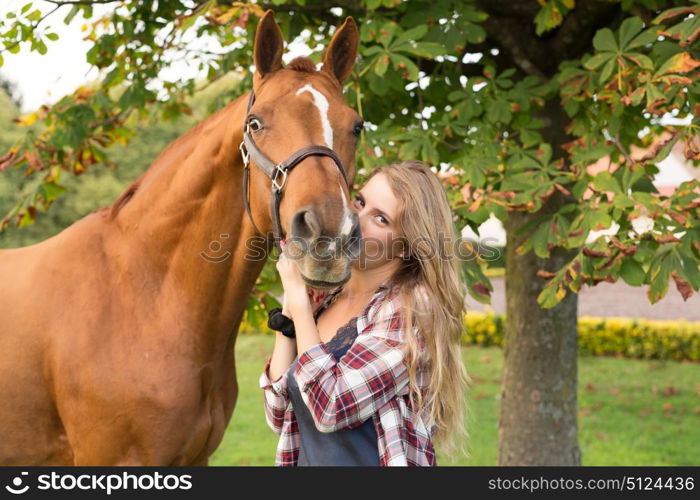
[(276, 172)]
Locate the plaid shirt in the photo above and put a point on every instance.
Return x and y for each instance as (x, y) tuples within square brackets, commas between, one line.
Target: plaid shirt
[(369, 381)]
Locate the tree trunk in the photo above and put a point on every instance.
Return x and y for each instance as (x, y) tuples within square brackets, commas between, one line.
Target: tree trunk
[(538, 421)]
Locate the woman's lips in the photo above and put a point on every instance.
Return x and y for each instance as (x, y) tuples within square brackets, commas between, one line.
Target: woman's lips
[(316, 296)]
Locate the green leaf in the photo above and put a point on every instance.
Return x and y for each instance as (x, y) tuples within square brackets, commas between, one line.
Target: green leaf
[(679, 63), (52, 36), (50, 191), (456, 95), (689, 268), (523, 181), (413, 34), (551, 295), (539, 240), (629, 28), (429, 50), (654, 95), (74, 10), (386, 33), (192, 19), (606, 182), (607, 70), (374, 49), (529, 138), (547, 17), (402, 63), (410, 149), (429, 153), (668, 14), (35, 15), (377, 84), (645, 37), (597, 60), (25, 220), (475, 175), (591, 154), (382, 64), (640, 60), (473, 32), (605, 40), (632, 272), (26, 8), (499, 112), (659, 276), (665, 150), (2, 60)]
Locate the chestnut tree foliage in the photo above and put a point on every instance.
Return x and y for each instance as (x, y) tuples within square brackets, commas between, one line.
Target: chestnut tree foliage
[(514, 99)]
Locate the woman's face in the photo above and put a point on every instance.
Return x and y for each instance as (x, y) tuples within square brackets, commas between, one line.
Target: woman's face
[(377, 208)]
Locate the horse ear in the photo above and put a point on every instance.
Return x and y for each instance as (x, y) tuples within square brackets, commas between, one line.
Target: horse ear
[(342, 51), (269, 45)]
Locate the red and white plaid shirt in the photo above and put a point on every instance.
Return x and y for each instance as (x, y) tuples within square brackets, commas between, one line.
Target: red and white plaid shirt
[(369, 381)]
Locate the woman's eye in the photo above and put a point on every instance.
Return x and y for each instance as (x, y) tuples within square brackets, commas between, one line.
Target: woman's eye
[(361, 202)]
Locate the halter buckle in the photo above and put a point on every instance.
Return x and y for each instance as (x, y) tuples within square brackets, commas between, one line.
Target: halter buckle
[(244, 153), (277, 185)]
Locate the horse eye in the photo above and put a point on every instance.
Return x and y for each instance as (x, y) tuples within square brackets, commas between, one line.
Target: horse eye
[(358, 129), (255, 124)]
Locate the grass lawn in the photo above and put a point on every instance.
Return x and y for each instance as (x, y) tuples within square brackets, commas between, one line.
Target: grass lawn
[(631, 412)]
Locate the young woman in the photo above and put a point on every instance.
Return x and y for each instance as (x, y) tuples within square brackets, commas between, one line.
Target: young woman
[(374, 374)]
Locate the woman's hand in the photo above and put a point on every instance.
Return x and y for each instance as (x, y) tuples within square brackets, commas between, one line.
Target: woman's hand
[(295, 292)]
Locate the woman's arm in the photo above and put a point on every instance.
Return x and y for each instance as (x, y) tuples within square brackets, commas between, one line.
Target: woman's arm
[(344, 393), (273, 380), (274, 386), (285, 350)]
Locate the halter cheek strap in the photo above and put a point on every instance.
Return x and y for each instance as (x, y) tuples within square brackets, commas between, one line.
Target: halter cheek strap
[(277, 172)]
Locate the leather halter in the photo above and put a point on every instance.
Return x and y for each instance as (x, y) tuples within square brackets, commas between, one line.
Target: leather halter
[(276, 172)]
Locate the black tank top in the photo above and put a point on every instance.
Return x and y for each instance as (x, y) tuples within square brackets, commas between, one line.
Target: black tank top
[(356, 446)]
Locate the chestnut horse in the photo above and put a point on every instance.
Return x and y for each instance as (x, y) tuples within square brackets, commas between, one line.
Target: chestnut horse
[(117, 335)]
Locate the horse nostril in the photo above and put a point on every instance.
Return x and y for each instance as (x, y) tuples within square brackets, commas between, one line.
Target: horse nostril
[(305, 225)]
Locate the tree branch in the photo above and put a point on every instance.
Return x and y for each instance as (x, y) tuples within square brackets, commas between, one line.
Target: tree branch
[(33, 27), (573, 38), (510, 26)]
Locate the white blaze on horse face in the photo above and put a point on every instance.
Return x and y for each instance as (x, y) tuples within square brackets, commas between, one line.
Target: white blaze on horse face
[(346, 227), (322, 104)]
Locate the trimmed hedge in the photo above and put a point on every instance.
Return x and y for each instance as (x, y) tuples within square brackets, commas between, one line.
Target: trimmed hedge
[(631, 338)]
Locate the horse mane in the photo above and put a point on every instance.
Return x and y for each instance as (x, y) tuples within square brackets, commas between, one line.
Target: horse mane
[(302, 64), (113, 210)]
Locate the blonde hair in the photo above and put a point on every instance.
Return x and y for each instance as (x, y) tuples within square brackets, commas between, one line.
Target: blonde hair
[(432, 291)]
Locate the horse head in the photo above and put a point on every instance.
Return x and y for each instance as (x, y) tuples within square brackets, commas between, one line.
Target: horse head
[(297, 118)]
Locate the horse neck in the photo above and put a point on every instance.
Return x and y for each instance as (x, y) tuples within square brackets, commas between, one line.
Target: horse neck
[(185, 230)]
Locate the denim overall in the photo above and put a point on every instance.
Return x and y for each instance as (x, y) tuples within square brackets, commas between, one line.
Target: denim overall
[(345, 447)]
